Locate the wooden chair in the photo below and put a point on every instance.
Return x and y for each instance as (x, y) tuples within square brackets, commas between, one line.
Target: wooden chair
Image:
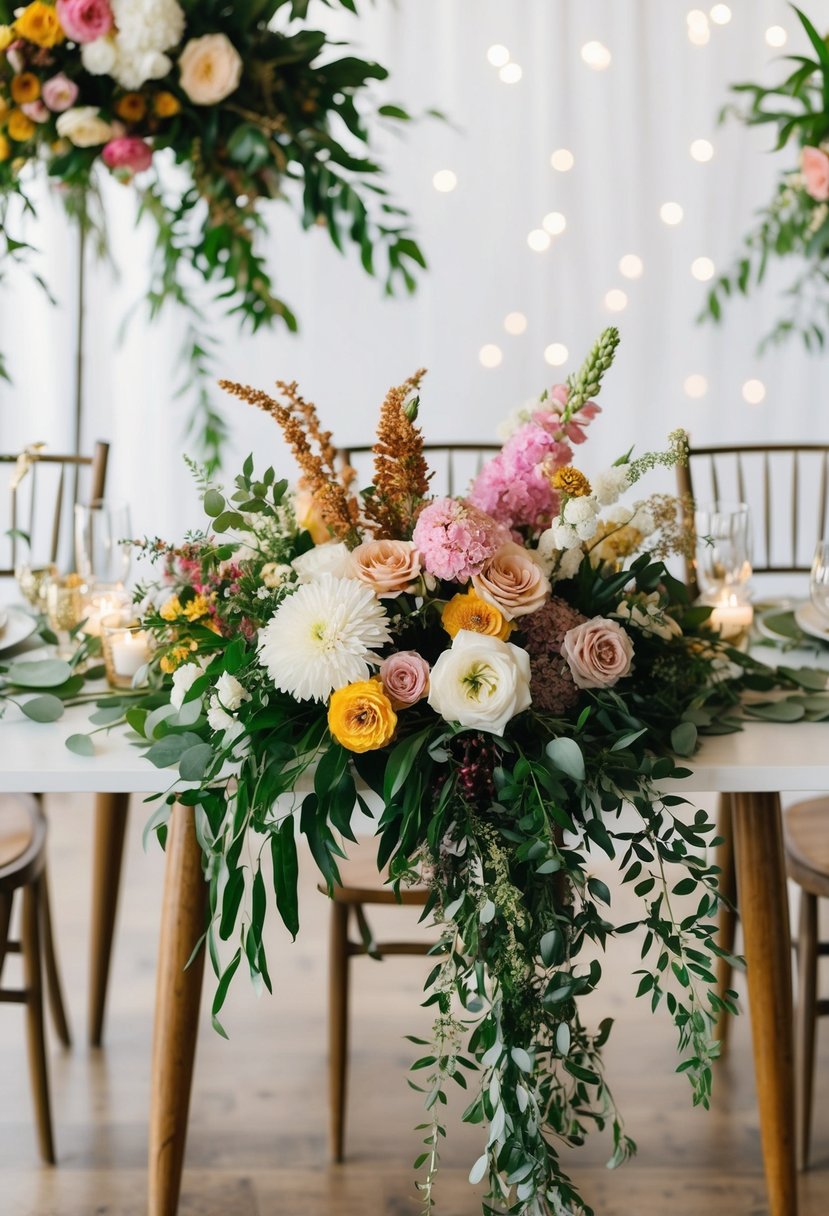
[(455, 464), (23, 869)]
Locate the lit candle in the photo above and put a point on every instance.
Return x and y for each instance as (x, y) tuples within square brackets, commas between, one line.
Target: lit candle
[(130, 651), (100, 606), (731, 618)]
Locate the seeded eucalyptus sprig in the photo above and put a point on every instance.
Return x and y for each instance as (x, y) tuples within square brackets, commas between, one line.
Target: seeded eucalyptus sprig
[(588, 379)]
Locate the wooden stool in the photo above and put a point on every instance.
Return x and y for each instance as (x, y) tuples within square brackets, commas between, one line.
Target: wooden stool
[(807, 864), (361, 884), (22, 868)]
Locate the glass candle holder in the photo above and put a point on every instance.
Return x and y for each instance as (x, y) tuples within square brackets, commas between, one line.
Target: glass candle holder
[(126, 646), (65, 598), (723, 551), (33, 580), (732, 617), (103, 600)]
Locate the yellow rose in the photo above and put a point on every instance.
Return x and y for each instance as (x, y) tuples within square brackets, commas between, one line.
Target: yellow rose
[(5, 148), (131, 107), (25, 87), (6, 37), (466, 610), (361, 717), (20, 127), (38, 23), (166, 105)]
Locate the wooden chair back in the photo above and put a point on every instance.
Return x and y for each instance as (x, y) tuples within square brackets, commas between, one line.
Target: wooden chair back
[(40, 503), (455, 465), (786, 488)]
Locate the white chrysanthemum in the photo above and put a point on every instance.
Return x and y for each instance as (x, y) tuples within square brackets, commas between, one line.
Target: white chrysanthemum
[(580, 510), (607, 486), (322, 637), (148, 25)]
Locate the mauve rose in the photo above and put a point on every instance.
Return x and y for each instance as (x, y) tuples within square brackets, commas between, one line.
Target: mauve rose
[(405, 678), (513, 581), (598, 653), (128, 153), (59, 93), (387, 566), (814, 165), (85, 20)]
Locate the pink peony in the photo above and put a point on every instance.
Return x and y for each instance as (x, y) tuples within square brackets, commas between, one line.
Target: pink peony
[(405, 678), (128, 153), (599, 653), (455, 538), (814, 165), (85, 20), (60, 93)]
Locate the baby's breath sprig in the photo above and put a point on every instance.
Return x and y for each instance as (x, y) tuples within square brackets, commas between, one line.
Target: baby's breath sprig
[(587, 381), (676, 453)]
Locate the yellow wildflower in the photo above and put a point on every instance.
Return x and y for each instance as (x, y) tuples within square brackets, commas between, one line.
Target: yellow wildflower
[(570, 481), (19, 127), (131, 107), (361, 717), (6, 37), (200, 606), (466, 610), (174, 658), (25, 87), (171, 609), (38, 23), (166, 105)]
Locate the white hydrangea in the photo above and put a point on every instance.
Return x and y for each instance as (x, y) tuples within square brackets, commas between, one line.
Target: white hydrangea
[(579, 510), (607, 486)]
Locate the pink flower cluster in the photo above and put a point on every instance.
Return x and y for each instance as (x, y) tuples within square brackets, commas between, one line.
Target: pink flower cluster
[(455, 538), (85, 20), (814, 165)]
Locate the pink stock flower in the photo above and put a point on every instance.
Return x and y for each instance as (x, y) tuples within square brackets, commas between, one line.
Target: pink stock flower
[(128, 153), (455, 538), (405, 677), (514, 486), (85, 20), (60, 93), (814, 165)]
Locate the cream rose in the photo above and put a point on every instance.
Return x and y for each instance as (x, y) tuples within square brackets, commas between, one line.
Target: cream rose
[(598, 652), (387, 566), (332, 558), (84, 127), (513, 581), (481, 682), (210, 68)]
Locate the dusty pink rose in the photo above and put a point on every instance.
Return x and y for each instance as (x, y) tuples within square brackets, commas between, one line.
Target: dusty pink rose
[(129, 153), (814, 165), (387, 566), (598, 653), (59, 93), (405, 678), (513, 581), (85, 20), (35, 110)]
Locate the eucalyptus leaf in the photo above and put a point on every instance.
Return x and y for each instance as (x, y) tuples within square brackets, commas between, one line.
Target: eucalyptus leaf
[(39, 673), (43, 709), (81, 745)]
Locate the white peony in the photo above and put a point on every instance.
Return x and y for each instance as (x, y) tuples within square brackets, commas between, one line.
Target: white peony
[(480, 682), (99, 57), (331, 558), (83, 127), (210, 68), (607, 486), (148, 25), (322, 637), (184, 678), (230, 693)]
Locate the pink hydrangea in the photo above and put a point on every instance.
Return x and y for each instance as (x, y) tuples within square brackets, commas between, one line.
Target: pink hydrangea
[(59, 93), (455, 538), (128, 153), (85, 20)]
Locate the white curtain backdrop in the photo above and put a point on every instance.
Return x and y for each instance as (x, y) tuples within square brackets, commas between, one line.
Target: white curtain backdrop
[(629, 128)]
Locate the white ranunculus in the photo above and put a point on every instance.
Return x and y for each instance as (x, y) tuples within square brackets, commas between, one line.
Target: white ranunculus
[(230, 692), (184, 678), (99, 57), (607, 486), (331, 558), (480, 682), (83, 126), (210, 69)]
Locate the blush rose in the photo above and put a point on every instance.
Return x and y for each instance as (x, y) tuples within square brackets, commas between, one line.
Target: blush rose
[(513, 581), (405, 677), (387, 566), (814, 165), (598, 652)]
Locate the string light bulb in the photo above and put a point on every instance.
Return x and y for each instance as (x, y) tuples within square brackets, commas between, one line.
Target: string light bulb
[(701, 150), (445, 181), (616, 300), (562, 160), (490, 355), (671, 214), (776, 36), (702, 269), (754, 391), (539, 240), (515, 323), (631, 266), (720, 14), (556, 354), (596, 56), (554, 223), (695, 386), (498, 55), (511, 73)]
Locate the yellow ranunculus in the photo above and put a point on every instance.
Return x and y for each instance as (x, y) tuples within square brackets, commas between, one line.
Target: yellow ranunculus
[(466, 610), (38, 23), (19, 127), (361, 717), (6, 37), (5, 148), (25, 87), (166, 105), (131, 107)]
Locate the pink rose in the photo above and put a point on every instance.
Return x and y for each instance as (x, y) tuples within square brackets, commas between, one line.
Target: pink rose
[(60, 93), (35, 110), (513, 581), (85, 20), (814, 165), (405, 678), (387, 566), (128, 153), (598, 653)]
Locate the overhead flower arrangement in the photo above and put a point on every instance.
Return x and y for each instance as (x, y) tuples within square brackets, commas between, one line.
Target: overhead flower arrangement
[(252, 106), (795, 224)]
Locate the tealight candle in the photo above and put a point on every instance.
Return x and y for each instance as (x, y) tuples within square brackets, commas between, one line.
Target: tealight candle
[(126, 646), (129, 653), (731, 618), (103, 603)]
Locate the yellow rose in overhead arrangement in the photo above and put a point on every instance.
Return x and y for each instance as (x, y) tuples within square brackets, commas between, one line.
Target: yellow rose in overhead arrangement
[(38, 23), (5, 148), (361, 717), (19, 127), (25, 87), (466, 610), (4, 108)]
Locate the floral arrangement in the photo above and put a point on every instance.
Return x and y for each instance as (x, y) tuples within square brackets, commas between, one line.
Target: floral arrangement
[(796, 221), (250, 113), (512, 674)]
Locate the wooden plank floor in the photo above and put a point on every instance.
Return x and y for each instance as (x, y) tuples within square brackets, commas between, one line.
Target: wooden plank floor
[(257, 1137)]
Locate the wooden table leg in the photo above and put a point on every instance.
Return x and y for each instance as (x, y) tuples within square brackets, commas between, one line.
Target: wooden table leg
[(110, 827), (178, 994), (764, 909)]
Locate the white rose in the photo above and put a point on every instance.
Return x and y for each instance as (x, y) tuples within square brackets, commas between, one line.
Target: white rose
[(481, 682), (230, 692), (607, 486), (83, 127), (210, 68), (99, 57), (331, 558), (183, 680)]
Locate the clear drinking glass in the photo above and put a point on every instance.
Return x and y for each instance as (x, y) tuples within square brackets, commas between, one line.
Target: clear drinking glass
[(723, 550), (819, 580), (102, 550)]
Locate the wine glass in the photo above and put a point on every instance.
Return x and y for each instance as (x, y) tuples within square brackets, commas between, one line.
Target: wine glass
[(723, 551), (102, 542), (819, 580)]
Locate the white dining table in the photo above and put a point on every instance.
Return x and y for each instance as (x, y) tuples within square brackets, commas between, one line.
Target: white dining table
[(753, 766)]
